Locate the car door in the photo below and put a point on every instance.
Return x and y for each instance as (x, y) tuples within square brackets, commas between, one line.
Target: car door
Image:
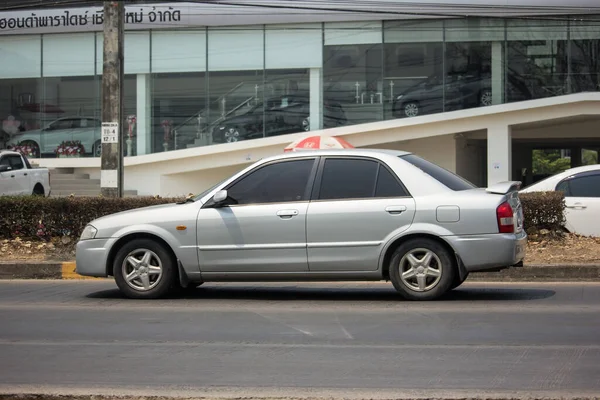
[(582, 200), (357, 205), (263, 229), (19, 175), (8, 183)]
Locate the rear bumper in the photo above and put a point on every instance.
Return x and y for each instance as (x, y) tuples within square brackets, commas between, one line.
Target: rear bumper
[(490, 252)]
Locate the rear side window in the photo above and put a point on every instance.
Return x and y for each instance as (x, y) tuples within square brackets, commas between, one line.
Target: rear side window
[(358, 179), (585, 186), (348, 179), (442, 175)]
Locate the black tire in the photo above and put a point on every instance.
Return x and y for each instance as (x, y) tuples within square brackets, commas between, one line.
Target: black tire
[(157, 287), (38, 190), (423, 285)]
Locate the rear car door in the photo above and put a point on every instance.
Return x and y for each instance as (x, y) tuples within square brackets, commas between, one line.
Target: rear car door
[(356, 206), (582, 200)]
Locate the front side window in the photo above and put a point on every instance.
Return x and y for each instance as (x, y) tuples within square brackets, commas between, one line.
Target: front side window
[(15, 162), (585, 186), (281, 182)]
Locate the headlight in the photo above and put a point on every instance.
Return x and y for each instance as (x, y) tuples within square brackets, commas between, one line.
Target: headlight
[(399, 97), (89, 232)]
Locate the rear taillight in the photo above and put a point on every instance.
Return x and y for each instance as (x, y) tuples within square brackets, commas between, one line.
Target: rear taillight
[(504, 214)]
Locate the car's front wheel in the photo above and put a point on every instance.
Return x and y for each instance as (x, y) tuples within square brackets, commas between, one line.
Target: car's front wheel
[(422, 269), (144, 269)]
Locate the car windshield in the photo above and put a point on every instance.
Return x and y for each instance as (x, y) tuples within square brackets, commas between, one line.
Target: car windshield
[(442, 175)]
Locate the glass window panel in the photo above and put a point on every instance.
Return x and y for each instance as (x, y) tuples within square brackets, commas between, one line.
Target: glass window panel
[(352, 81), (68, 54), (20, 108), (179, 104), (137, 52), (20, 56), (413, 68), (294, 46), (585, 54), (339, 33), (178, 51), (235, 106), (537, 54), (235, 49)]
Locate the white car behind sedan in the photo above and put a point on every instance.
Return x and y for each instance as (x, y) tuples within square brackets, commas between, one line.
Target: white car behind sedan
[(581, 186)]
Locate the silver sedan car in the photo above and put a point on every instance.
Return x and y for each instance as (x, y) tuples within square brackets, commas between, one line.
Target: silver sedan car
[(336, 215)]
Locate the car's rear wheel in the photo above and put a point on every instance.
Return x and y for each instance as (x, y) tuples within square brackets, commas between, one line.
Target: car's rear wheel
[(97, 149), (233, 134), (144, 269), (422, 269)]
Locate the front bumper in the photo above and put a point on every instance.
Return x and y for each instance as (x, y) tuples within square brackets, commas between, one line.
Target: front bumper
[(490, 252), (91, 257)]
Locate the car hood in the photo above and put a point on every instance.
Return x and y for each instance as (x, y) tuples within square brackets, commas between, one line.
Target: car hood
[(19, 135), (161, 214)]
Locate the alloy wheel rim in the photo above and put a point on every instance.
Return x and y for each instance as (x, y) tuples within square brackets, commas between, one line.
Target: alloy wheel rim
[(142, 270), (232, 135), (306, 124), (420, 270), (486, 98), (411, 110)]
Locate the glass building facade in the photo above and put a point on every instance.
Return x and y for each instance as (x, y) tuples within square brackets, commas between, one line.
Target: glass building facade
[(187, 88)]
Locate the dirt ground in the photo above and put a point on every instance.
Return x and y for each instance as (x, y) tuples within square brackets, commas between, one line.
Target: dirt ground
[(541, 249)]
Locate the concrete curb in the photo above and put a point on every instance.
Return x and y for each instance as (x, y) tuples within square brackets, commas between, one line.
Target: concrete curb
[(39, 270), (528, 273)]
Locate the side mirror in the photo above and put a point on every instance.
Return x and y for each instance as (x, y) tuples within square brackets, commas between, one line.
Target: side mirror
[(4, 168), (220, 197)]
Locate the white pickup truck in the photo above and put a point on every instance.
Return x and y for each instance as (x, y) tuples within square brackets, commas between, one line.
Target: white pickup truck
[(17, 177)]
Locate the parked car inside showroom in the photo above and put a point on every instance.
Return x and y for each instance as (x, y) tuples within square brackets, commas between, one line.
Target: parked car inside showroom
[(315, 215), (581, 186), (85, 130), (280, 115), (462, 90)]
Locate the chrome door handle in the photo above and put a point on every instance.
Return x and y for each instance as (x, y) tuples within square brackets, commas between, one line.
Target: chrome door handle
[(287, 213), (578, 206), (395, 209)]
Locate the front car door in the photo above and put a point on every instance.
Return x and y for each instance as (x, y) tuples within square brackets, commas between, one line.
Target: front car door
[(264, 227), (19, 181), (357, 205), (582, 200), (8, 183)]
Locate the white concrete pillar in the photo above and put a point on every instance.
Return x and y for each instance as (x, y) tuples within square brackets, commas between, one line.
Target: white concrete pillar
[(316, 99), (497, 72), (499, 153), (144, 115)]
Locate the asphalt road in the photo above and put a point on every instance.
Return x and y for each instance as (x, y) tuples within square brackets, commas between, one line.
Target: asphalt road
[(354, 339)]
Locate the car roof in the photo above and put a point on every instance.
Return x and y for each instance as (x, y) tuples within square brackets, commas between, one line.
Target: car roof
[(338, 152), (9, 152), (553, 180)]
